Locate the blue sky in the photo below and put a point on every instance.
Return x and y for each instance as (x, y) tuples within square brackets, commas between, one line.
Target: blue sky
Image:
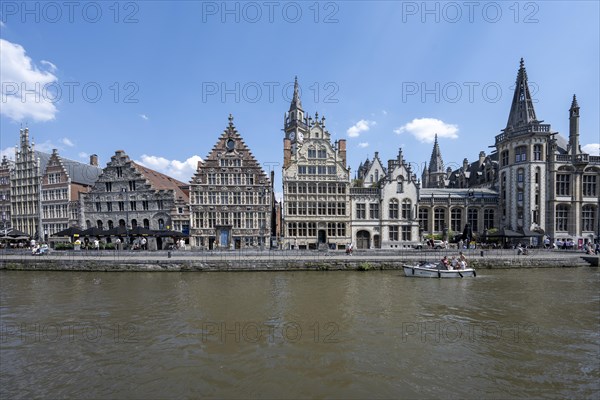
[(159, 79)]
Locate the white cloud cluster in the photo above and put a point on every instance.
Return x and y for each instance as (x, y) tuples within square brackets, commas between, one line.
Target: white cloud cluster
[(67, 142), (144, 117), (425, 129), (182, 170), (9, 152), (23, 85), (361, 126), (593, 149), (362, 145)]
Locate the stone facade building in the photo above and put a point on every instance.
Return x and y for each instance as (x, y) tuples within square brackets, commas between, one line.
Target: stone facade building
[(316, 183), (128, 194), (536, 183), (384, 205), (45, 189), (6, 167), (231, 197), (547, 183)]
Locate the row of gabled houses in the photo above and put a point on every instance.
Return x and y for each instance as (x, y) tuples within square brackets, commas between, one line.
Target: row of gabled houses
[(536, 184)]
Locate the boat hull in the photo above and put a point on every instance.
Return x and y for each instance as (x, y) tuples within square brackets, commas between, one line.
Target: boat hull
[(421, 272)]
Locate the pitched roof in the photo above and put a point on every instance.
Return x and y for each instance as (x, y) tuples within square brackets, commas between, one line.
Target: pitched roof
[(436, 164), (521, 110), (161, 181), (79, 172)]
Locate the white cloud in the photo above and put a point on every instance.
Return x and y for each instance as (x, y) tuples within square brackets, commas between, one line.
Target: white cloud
[(425, 129), (50, 66), (384, 112), (182, 170), (363, 144), (23, 94), (361, 126), (9, 152), (83, 154), (2, 24), (46, 147), (593, 149), (67, 142), (144, 117)]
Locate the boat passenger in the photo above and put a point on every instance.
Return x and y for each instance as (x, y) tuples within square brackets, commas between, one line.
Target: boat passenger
[(445, 262), (462, 260), (454, 263)]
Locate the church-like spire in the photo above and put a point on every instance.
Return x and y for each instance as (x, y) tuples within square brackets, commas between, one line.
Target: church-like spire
[(521, 110), (436, 164), (574, 104), (296, 104), (574, 127)]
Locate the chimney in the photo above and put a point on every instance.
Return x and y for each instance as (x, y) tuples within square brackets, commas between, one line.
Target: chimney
[(273, 181), (287, 152), (342, 150), (465, 164), (94, 160), (481, 158)]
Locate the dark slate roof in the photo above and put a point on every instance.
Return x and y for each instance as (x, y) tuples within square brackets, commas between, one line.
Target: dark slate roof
[(79, 172)]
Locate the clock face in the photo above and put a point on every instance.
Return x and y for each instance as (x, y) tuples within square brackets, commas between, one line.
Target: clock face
[(292, 135), (300, 136), (230, 144)]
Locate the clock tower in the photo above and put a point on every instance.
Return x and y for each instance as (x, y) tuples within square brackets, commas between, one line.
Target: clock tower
[(316, 181), (294, 121)]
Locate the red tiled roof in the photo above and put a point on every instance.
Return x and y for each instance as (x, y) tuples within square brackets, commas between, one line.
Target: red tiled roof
[(161, 181)]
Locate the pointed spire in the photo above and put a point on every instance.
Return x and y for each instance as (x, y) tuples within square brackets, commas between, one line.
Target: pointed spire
[(521, 109), (231, 127), (436, 164), (574, 104), (296, 103)]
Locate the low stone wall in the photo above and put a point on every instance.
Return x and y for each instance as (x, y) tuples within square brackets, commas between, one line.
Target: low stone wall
[(350, 264)]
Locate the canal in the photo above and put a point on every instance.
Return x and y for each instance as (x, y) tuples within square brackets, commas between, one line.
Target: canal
[(375, 334)]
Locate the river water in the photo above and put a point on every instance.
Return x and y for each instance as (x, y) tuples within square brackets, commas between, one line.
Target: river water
[(504, 334)]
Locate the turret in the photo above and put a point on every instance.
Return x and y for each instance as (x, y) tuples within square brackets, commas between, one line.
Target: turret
[(521, 109), (574, 127)]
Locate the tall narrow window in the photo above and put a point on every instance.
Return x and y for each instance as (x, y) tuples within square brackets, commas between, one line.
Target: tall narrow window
[(393, 209), (563, 184), (588, 218), (562, 217)]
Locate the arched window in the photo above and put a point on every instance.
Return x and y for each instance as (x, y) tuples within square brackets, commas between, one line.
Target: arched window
[(456, 219), (439, 219), (424, 219), (521, 154), (88, 224), (520, 175), (99, 224), (393, 209), (110, 224), (400, 185), (122, 222), (537, 152), (133, 223), (406, 209), (146, 223)]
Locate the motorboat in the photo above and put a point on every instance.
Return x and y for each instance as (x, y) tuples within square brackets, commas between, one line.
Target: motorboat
[(432, 270)]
